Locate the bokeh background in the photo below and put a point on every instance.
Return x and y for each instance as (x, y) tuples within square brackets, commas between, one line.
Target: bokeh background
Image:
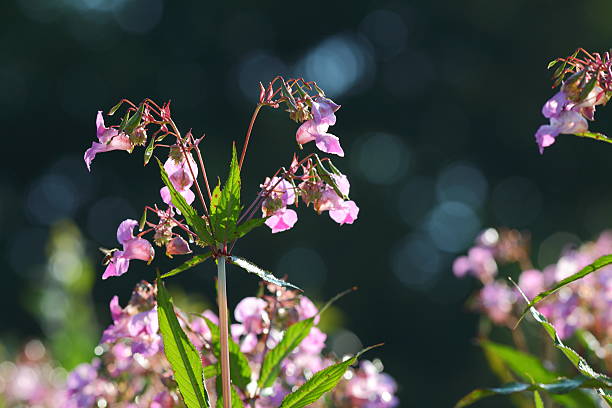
[(440, 103)]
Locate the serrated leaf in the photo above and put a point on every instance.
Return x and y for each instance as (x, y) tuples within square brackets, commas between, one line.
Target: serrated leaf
[(598, 264), (149, 151), (182, 355), (291, 339), (263, 274), (561, 386), (236, 401), (196, 260), (190, 214), (580, 363), (225, 209), (247, 227), (240, 371), (529, 368), (320, 383)]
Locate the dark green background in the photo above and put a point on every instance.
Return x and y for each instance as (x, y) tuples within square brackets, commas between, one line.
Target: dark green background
[(446, 81)]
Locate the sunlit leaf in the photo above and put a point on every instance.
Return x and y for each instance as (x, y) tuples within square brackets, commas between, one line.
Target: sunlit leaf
[(247, 227), (182, 355), (225, 208), (196, 260), (263, 274), (561, 386), (598, 264), (291, 339), (149, 151), (320, 383)]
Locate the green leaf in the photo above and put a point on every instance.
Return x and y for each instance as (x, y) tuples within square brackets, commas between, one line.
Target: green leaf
[(211, 371), (326, 176), (149, 151), (529, 368), (537, 400), (225, 208), (291, 339), (598, 264), (236, 401), (191, 216), (196, 260), (240, 371), (561, 386), (263, 274), (320, 383), (182, 355), (580, 363), (247, 226)]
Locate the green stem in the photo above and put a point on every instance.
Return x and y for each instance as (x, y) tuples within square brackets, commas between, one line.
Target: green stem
[(223, 333), (595, 136)]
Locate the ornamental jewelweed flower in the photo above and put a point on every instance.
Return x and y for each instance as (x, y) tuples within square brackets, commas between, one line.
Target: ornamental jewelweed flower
[(109, 139), (133, 248), (316, 128), (588, 85)]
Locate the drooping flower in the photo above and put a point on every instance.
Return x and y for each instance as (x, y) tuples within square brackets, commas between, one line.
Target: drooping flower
[(177, 246), (133, 248), (180, 174), (326, 142), (280, 194), (567, 122), (108, 139)]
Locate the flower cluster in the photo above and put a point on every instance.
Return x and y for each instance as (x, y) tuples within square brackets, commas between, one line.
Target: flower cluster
[(589, 84), (582, 305), (132, 371), (32, 380), (325, 190)]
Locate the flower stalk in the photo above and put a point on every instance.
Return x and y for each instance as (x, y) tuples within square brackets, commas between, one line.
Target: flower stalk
[(223, 332)]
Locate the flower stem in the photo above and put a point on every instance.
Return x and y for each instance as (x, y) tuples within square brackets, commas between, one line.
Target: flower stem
[(223, 333), (248, 134)]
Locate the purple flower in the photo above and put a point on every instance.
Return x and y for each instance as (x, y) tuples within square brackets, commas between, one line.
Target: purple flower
[(109, 139), (479, 262), (133, 248), (251, 312), (555, 105), (346, 213), (323, 110), (326, 142), (280, 194), (282, 220)]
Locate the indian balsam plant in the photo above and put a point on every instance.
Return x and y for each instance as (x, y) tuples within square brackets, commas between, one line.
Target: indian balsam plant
[(220, 221), (585, 82)]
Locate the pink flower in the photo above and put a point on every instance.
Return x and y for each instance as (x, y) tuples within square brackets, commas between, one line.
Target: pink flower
[(326, 142), (555, 105), (479, 262), (531, 282), (181, 177), (567, 122), (314, 342), (133, 248), (346, 213), (497, 299), (282, 220), (280, 193), (251, 312), (109, 139)]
